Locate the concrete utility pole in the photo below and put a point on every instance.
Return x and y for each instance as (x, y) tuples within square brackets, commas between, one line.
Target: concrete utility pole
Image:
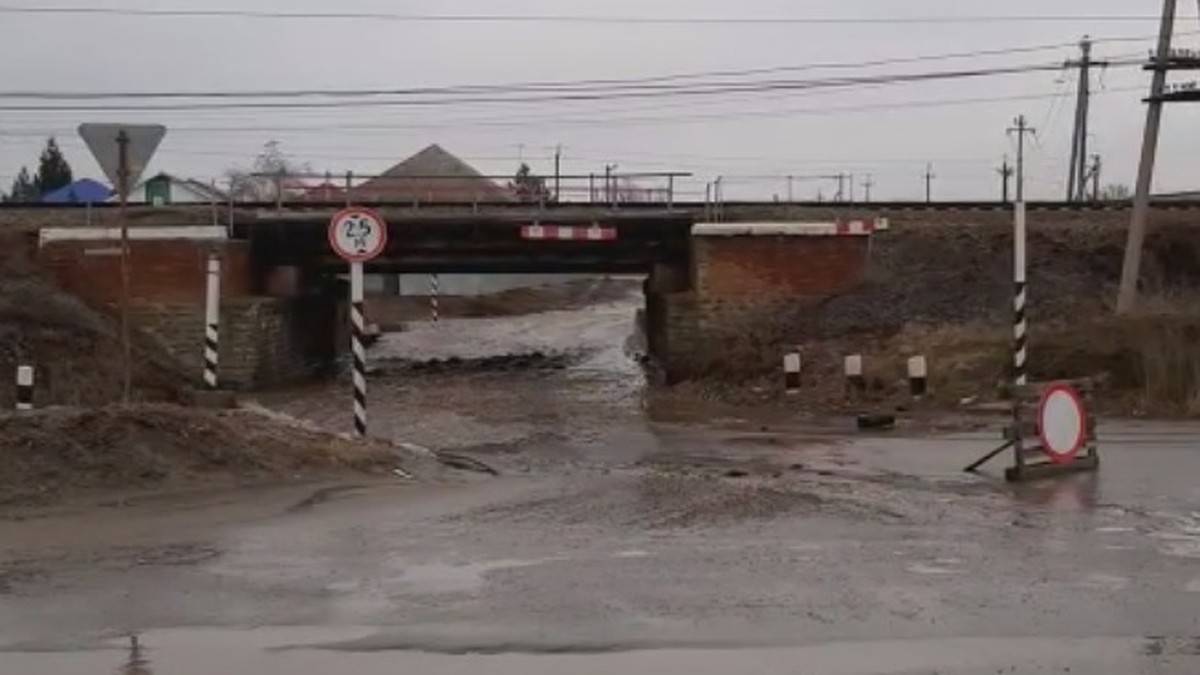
[(1077, 180), (1021, 130), (929, 176), (558, 173), (1164, 61), (1006, 173)]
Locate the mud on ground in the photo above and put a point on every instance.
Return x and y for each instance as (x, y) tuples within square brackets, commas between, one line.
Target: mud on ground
[(55, 454)]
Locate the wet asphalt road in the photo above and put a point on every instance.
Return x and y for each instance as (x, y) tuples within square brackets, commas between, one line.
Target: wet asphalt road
[(615, 542)]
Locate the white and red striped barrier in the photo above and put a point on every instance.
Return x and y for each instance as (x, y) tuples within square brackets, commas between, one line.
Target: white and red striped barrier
[(568, 233), (841, 228)]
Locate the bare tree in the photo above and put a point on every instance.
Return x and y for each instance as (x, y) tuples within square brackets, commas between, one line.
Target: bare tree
[(272, 172), (1116, 192)]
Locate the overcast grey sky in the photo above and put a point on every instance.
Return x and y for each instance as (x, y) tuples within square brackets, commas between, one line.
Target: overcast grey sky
[(764, 134)]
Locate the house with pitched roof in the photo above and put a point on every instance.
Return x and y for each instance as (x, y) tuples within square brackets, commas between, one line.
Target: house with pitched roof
[(432, 175)]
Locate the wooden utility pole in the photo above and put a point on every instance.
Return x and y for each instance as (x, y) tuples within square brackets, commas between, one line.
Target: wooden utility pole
[(123, 188), (1164, 61), (1021, 130), (929, 176), (867, 185), (1095, 176), (1006, 173)]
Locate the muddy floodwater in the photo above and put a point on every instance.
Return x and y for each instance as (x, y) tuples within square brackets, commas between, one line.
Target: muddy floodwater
[(619, 539)]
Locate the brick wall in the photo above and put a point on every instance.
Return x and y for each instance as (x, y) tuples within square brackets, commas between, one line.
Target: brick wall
[(168, 271), (778, 266), (264, 341), (733, 321)]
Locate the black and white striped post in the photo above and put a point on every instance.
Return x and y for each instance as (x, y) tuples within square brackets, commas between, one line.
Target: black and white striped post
[(24, 388), (212, 323), (435, 289), (791, 373), (918, 377), (856, 382), (358, 330), (358, 235), (1020, 299)]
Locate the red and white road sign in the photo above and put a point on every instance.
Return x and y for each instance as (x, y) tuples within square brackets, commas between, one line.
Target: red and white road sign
[(568, 233), (1062, 423), (358, 235)]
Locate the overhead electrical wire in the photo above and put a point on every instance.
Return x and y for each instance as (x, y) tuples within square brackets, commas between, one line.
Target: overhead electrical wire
[(414, 99), (553, 85), (602, 122), (422, 17)]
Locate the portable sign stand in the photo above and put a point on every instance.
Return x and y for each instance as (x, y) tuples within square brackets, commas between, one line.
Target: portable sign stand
[(1062, 436), (358, 236)]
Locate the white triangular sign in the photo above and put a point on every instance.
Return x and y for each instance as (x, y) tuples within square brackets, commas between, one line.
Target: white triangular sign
[(104, 140)]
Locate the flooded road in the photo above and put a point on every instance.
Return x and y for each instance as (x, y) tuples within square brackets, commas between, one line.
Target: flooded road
[(615, 542)]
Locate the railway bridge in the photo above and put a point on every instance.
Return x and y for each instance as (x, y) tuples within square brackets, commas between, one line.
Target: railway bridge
[(283, 311)]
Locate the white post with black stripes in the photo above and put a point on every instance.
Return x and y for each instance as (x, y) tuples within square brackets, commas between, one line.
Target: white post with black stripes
[(435, 290), (1020, 299), (212, 323), (358, 351), (918, 377), (791, 373), (24, 388)]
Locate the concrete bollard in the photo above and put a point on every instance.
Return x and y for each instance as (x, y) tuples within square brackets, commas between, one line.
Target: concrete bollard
[(856, 382), (918, 376), (791, 373), (24, 388)]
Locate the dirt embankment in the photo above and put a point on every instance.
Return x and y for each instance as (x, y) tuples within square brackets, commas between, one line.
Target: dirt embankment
[(50, 455), (78, 441), (945, 292), (75, 350)]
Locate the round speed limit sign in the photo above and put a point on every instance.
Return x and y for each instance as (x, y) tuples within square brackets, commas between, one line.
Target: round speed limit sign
[(358, 235)]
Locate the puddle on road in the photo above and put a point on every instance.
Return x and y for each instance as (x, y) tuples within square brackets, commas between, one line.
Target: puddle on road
[(446, 578), (298, 651)]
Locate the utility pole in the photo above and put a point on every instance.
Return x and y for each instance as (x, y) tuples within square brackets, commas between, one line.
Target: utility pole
[(1006, 173), (929, 176), (558, 173), (867, 185), (1095, 176), (841, 191), (1021, 130), (851, 178), (790, 193), (1164, 61), (1077, 181)]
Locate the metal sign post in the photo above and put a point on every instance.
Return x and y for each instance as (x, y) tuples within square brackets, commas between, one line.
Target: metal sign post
[(123, 151), (358, 236)]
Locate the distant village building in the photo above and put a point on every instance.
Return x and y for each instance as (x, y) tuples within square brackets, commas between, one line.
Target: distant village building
[(165, 189), (86, 191), (432, 175)]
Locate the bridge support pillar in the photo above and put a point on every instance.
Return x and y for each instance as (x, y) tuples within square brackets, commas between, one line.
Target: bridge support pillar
[(748, 290)]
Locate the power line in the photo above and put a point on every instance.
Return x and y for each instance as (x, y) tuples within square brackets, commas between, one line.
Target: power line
[(658, 91), (415, 17), (543, 122), (552, 85)]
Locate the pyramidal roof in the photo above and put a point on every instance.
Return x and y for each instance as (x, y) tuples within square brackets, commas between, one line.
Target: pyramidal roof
[(433, 175)]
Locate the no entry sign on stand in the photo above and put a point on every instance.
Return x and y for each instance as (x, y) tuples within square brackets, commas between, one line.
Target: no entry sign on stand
[(358, 236), (1062, 423)]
